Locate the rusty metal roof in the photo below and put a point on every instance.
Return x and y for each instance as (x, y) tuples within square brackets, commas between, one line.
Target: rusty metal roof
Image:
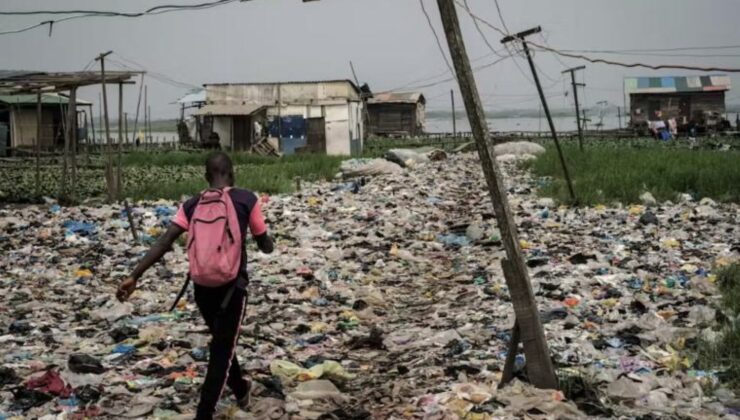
[(397, 98)]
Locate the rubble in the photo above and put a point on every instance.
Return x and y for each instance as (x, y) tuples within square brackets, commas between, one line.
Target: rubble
[(383, 300)]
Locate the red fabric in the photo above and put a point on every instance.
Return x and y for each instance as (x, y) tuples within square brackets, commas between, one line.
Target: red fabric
[(257, 221), (50, 383)]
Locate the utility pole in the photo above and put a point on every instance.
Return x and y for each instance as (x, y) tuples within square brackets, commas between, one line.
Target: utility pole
[(109, 176), (572, 72), (521, 37), (138, 105), (539, 365), (146, 117), (119, 182), (72, 137), (454, 116), (125, 128), (38, 142)]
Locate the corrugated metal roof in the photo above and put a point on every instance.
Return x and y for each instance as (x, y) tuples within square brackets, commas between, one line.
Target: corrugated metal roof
[(12, 74), (226, 110), (292, 82), (193, 97), (31, 99), (397, 97), (671, 84)]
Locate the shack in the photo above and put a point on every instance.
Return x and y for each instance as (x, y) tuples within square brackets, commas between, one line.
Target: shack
[(691, 100), (18, 121), (292, 117), (397, 114)]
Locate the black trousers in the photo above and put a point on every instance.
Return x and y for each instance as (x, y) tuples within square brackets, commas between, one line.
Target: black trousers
[(223, 367)]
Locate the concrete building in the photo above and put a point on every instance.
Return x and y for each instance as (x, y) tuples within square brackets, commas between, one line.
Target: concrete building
[(295, 117)]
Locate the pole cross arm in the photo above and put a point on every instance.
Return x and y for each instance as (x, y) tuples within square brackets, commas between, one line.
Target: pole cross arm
[(522, 35)]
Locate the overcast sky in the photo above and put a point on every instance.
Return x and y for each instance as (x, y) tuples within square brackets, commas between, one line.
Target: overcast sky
[(389, 42)]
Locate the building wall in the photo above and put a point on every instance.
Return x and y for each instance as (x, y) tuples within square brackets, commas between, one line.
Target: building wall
[(222, 126), (396, 118), (676, 105), (286, 93), (23, 127)]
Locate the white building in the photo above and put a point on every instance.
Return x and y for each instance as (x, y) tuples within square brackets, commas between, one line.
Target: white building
[(296, 117)]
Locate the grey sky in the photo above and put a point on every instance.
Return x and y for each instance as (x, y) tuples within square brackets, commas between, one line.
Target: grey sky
[(388, 40)]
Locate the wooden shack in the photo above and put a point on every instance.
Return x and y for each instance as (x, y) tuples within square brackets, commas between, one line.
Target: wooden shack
[(396, 114), (696, 100)]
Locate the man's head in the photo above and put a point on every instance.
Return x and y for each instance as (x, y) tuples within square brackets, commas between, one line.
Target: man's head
[(219, 170)]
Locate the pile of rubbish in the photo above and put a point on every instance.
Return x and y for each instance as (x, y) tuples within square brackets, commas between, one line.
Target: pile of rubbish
[(384, 299)]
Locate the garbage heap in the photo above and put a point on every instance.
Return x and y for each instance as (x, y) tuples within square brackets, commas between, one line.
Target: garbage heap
[(384, 299)]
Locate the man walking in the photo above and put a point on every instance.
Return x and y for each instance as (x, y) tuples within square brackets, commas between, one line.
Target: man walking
[(217, 221)]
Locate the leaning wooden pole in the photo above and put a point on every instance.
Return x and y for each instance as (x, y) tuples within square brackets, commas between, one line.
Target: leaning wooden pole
[(109, 175), (539, 365), (39, 119), (72, 130), (119, 182)]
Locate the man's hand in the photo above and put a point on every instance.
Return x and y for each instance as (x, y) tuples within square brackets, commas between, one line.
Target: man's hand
[(126, 288)]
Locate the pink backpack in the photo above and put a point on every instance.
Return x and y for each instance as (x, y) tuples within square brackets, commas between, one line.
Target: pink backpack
[(214, 240)]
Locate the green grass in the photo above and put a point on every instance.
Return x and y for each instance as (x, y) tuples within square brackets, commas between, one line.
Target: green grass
[(723, 355), (603, 174), (257, 173)]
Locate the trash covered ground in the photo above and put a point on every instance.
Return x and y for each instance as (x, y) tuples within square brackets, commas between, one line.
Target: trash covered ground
[(384, 299)]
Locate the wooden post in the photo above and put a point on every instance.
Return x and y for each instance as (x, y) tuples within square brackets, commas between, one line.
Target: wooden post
[(130, 217), (39, 121), (72, 130), (125, 128), (520, 36), (138, 105), (149, 125), (109, 175), (145, 140), (539, 365), (119, 182), (575, 85), (454, 115)]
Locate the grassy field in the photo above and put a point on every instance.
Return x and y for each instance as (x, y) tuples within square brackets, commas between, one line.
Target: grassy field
[(604, 174), (258, 173), (149, 175)]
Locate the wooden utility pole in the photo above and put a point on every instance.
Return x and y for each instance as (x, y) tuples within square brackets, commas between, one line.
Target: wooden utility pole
[(520, 36), (149, 125), (572, 72), (138, 105), (454, 115), (109, 175), (539, 365), (145, 140), (38, 142), (72, 137), (119, 182)]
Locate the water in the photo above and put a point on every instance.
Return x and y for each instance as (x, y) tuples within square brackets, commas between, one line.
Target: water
[(444, 124)]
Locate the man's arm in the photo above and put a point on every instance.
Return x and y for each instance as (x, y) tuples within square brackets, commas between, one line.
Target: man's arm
[(155, 253), (264, 242), (258, 227)]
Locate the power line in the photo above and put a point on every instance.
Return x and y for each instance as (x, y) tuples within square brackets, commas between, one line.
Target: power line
[(80, 14), (436, 37), (633, 65), (501, 16), (614, 63), (480, 32), (715, 47)]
